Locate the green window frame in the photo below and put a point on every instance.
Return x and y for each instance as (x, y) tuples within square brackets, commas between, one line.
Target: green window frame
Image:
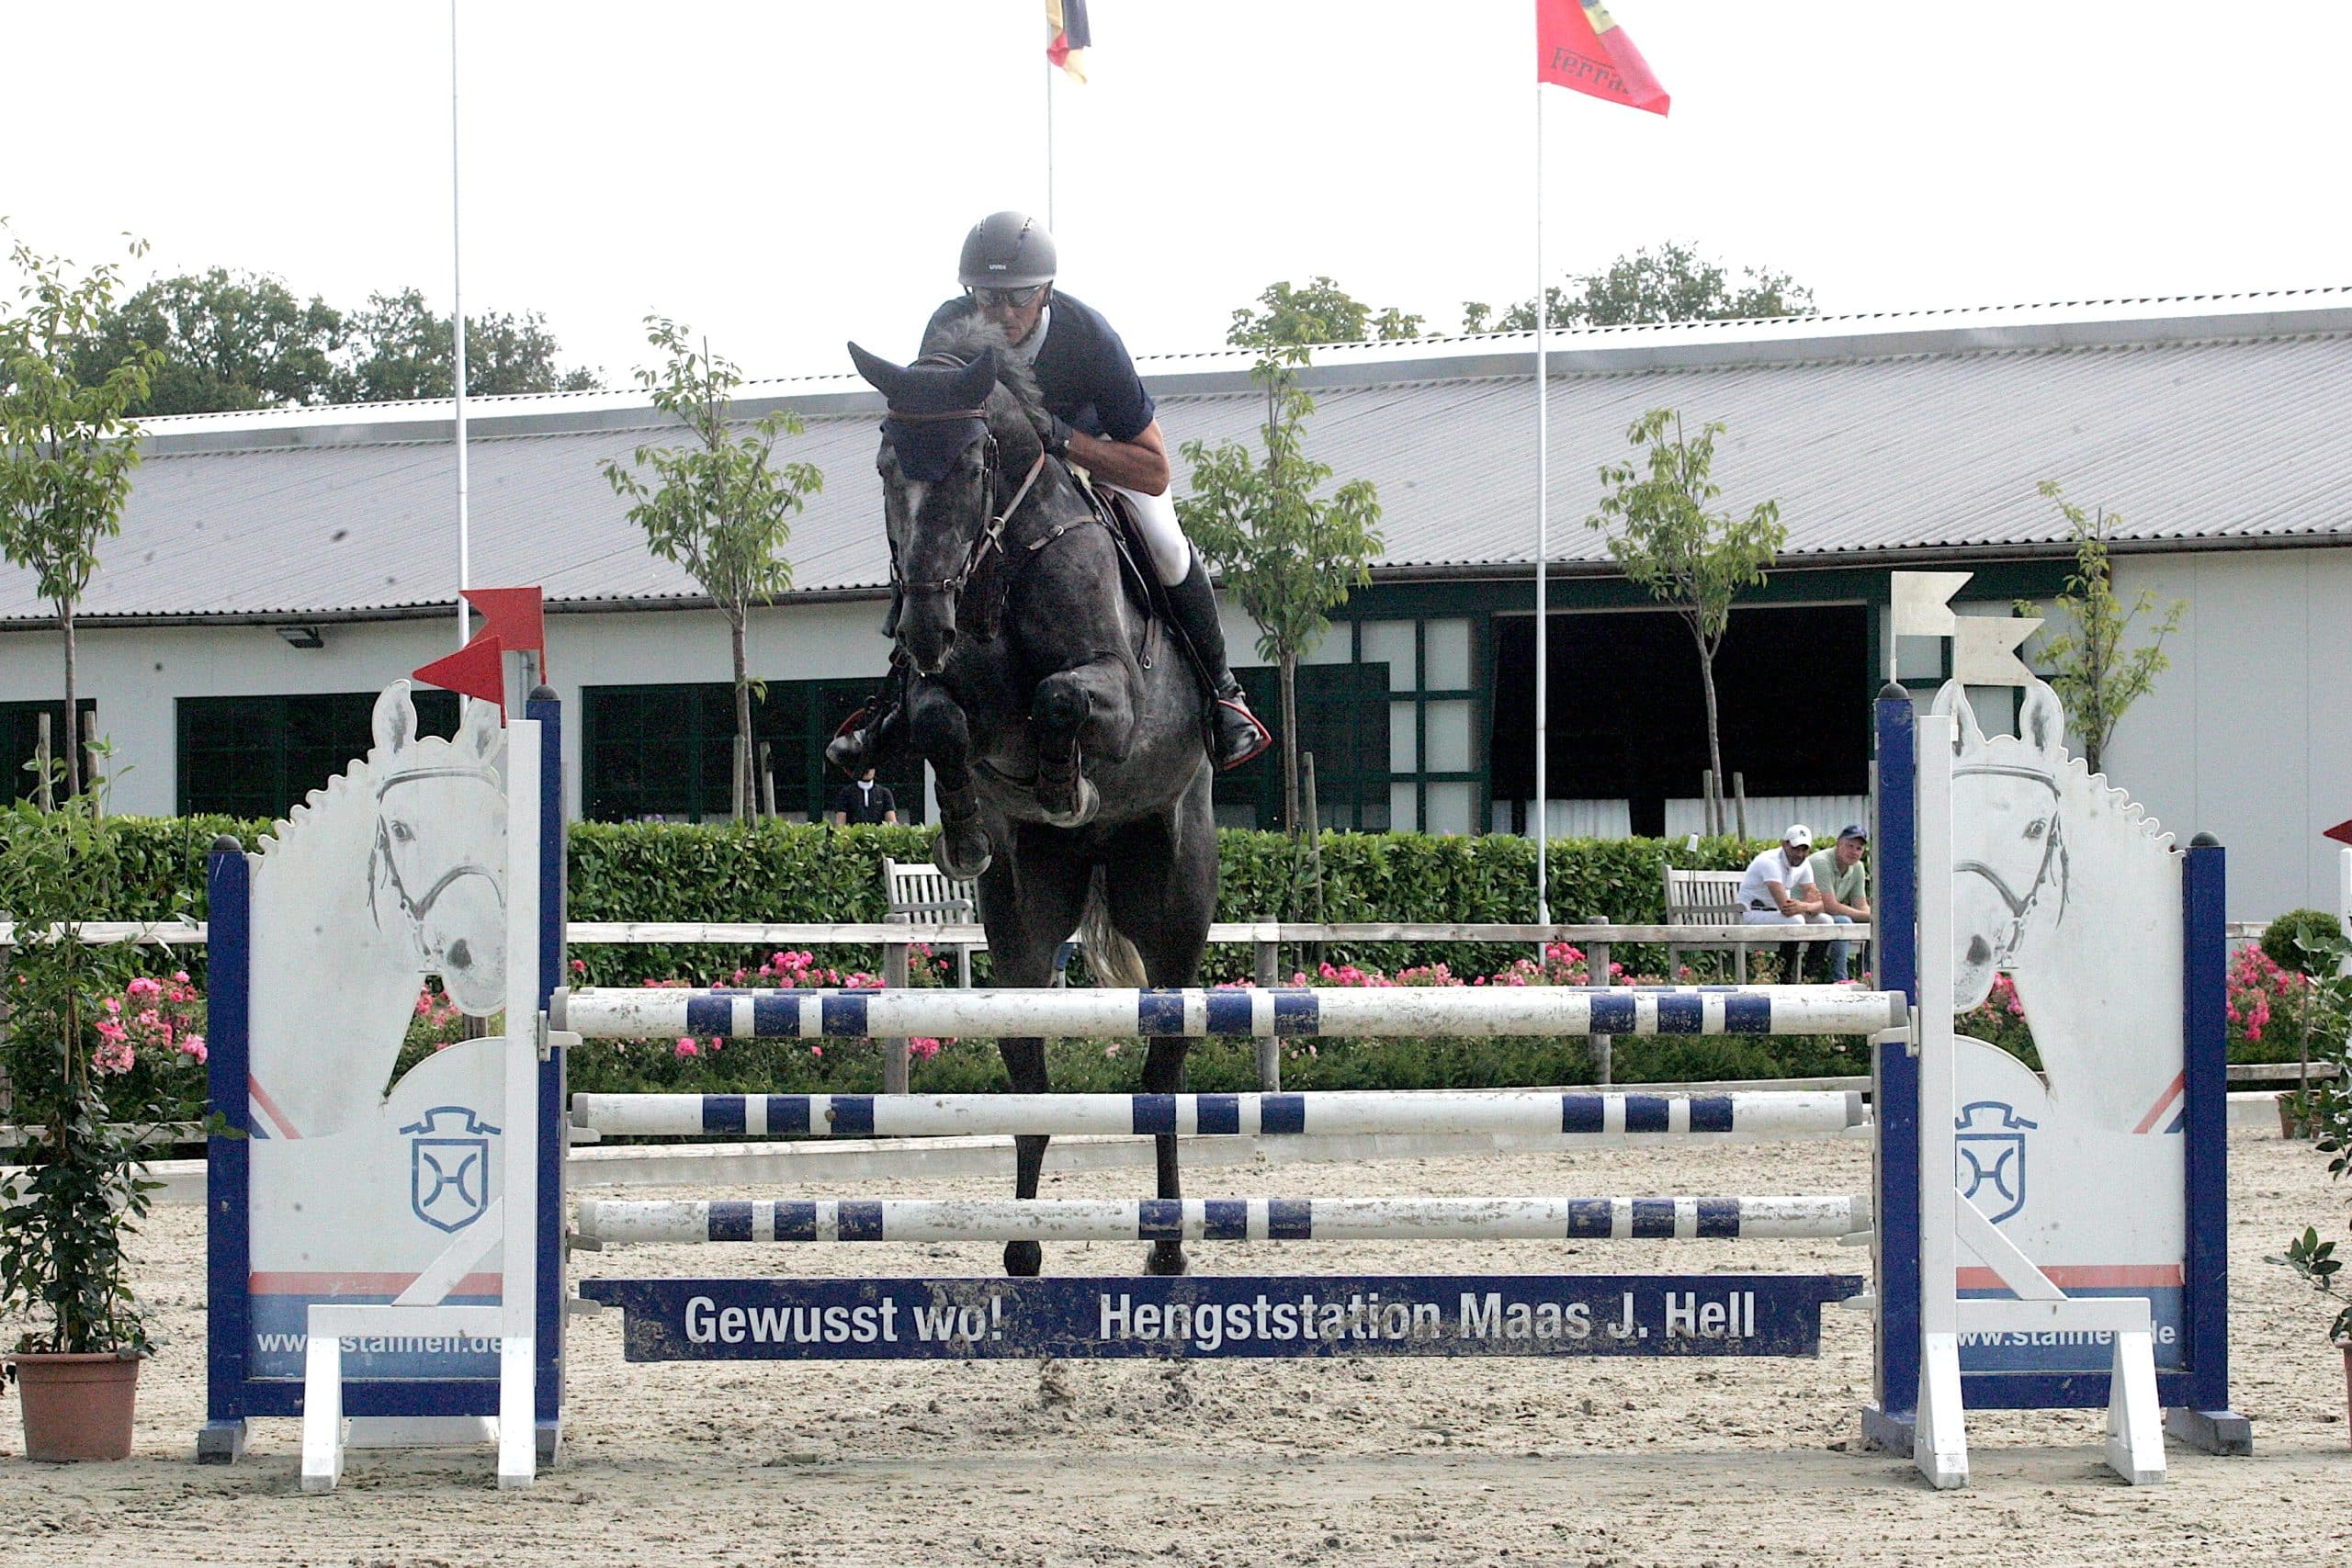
[(661, 752), (259, 756), (1438, 716), (20, 740)]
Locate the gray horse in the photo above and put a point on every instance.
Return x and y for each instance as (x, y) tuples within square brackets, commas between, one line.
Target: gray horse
[(1064, 727)]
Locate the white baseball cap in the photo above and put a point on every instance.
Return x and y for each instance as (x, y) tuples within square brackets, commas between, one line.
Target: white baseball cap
[(1798, 834)]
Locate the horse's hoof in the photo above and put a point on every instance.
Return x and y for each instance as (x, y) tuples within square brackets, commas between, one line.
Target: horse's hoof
[(962, 855), (1024, 1258), (1167, 1257), (1089, 803)]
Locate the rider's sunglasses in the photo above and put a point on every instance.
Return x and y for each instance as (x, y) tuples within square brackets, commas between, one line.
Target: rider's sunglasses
[(1019, 298)]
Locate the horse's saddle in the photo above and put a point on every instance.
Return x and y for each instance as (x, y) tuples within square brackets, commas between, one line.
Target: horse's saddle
[(1142, 587)]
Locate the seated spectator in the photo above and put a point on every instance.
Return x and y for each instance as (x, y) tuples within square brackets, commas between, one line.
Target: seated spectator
[(1843, 883), (1778, 889)]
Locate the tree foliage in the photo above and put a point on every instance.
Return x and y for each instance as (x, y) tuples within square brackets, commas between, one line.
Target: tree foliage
[(1289, 554), (1287, 315), (720, 506), (67, 443), (2096, 679), (224, 340), (399, 349), (1655, 515), (1671, 283), (241, 340)]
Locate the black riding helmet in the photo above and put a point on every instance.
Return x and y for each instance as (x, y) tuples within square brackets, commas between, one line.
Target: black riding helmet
[(1006, 250)]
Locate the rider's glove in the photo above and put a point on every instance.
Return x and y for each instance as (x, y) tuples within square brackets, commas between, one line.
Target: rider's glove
[(1058, 435)]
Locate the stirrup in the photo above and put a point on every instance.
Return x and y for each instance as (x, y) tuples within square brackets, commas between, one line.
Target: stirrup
[(1257, 742)]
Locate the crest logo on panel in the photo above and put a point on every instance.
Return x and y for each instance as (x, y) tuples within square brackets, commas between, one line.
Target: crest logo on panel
[(448, 1167), (1992, 1158)]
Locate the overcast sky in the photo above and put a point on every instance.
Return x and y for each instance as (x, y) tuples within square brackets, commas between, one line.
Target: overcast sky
[(783, 176)]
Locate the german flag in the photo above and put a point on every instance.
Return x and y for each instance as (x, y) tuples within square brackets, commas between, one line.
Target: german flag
[(1067, 36), (1579, 45)]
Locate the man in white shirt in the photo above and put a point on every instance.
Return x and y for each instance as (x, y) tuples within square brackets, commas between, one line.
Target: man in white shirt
[(1778, 888)]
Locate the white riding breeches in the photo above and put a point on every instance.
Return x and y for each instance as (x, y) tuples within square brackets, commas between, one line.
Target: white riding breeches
[(1155, 515)]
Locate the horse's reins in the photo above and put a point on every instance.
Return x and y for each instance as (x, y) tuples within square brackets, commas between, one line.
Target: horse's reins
[(2020, 908)]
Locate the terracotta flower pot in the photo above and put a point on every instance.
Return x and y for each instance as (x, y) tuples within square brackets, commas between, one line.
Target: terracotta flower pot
[(76, 1407)]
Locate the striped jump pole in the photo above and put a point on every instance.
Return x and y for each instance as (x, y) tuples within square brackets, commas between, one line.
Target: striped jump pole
[(614, 1220), (658, 1013), (1600, 1118)]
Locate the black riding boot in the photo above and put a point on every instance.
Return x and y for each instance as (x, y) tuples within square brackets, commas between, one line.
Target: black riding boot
[(1239, 735), (859, 743)]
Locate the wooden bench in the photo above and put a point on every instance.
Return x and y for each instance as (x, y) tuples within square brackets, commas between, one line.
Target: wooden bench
[(1711, 898), (922, 895)]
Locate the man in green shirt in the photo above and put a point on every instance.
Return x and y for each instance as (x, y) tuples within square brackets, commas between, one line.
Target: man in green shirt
[(1844, 884)]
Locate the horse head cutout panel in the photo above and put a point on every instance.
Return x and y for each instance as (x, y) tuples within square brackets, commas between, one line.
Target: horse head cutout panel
[(432, 874), (394, 871), (2067, 886)]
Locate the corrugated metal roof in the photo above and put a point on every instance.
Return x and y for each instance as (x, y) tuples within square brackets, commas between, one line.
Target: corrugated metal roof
[(2202, 422)]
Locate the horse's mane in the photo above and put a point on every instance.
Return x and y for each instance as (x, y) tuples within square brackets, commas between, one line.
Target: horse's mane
[(965, 338)]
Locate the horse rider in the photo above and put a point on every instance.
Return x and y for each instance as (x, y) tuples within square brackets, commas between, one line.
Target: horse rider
[(1103, 422)]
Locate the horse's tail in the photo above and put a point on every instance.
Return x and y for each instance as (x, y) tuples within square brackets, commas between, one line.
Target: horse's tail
[(1111, 957)]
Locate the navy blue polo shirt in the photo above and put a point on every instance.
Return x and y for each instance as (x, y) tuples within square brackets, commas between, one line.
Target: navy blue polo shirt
[(1084, 369)]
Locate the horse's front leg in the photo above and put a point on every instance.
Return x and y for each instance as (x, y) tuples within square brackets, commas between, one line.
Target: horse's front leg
[(943, 737), (1030, 901), (1087, 711)]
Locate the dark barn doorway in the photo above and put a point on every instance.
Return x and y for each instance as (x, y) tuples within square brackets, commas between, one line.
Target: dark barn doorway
[(1628, 719)]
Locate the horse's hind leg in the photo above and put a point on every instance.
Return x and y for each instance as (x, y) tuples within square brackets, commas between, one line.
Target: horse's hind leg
[(1030, 901)]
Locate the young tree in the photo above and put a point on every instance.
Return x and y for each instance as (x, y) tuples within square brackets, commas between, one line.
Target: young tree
[(2096, 679), (721, 507), (1672, 283), (399, 349), (1289, 556), (227, 340), (1660, 532), (1322, 311), (67, 445)]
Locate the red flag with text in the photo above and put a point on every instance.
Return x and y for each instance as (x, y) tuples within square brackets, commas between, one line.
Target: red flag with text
[(1579, 45)]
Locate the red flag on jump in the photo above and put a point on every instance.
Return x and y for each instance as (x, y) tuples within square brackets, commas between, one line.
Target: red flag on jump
[(1579, 45), (477, 670), (2341, 832), (513, 616)]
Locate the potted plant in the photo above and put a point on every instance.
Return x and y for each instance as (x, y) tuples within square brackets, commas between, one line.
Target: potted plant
[(2308, 946), (86, 1101), (2325, 1105)]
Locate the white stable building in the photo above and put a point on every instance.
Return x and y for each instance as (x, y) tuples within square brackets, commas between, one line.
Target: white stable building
[(276, 568)]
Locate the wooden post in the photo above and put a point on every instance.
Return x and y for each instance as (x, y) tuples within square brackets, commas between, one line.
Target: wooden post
[(1710, 819), (1269, 1051), (43, 752), (1739, 793), (89, 758), (1596, 973), (767, 779), (894, 1051)]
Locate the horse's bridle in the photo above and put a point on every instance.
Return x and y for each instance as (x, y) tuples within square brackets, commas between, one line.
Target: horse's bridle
[(990, 539), (384, 867), (2054, 850)]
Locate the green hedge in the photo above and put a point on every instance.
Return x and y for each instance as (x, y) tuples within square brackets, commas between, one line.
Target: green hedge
[(777, 872)]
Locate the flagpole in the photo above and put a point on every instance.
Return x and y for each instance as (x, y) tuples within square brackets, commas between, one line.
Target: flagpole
[(1543, 551), (458, 334), (1049, 144)]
